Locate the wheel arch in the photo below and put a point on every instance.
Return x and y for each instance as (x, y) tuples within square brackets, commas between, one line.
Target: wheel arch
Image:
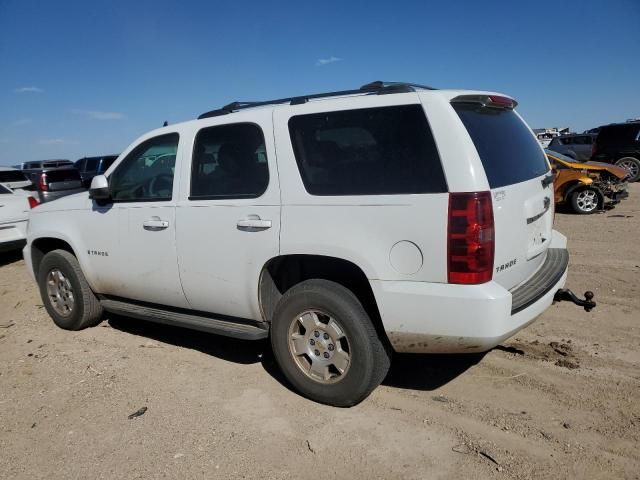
[(281, 273), (39, 247)]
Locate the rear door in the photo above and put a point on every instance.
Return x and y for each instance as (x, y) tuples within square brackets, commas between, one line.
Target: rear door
[(517, 171), (228, 216)]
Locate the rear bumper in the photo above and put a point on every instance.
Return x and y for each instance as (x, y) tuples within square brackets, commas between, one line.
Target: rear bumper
[(443, 318)]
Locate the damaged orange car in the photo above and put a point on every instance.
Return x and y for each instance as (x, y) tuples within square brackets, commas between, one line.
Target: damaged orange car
[(587, 187)]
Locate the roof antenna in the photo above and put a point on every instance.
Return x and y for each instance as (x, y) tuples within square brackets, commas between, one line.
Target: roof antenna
[(165, 123)]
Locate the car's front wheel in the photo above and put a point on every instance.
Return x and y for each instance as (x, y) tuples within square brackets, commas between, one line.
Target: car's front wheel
[(326, 344), (632, 165), (585, 201), (65, 292)]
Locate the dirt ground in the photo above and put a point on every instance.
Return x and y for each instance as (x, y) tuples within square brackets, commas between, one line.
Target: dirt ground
[(559, 400)]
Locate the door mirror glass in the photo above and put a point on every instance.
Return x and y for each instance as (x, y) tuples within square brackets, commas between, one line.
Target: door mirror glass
[(99, 189)]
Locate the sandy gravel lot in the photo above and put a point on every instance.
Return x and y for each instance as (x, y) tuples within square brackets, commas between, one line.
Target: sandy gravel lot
[(560, 400)]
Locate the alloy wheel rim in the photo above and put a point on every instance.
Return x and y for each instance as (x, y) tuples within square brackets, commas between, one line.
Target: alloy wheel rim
[(632, 167), (319, 346), (587, 200), (60, 292)]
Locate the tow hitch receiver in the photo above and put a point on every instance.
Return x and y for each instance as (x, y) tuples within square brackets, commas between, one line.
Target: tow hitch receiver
[(566, 295)]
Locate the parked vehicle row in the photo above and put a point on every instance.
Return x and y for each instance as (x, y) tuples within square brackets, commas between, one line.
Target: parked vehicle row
[(616, 144), (342, 226)]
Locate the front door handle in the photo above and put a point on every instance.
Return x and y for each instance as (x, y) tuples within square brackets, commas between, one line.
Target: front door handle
[(253, 223), (154, 224)]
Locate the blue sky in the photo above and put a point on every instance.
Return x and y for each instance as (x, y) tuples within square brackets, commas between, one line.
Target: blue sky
[(87, 77)]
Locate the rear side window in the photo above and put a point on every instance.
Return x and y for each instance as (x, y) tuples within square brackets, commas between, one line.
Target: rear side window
[(106, 163), (508, 151), (229, 161), (62, 175), (4, 190), (372, 151), (92, 164), (12, 176)]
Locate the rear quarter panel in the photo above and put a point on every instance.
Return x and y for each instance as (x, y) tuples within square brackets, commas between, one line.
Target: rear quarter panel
[(359, 228)]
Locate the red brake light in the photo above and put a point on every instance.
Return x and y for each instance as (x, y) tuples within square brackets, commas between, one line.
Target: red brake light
[(33, 202), (471, 238), (42, 183), (505, 102)]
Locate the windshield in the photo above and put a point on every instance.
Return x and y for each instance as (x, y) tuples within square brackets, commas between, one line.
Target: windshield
[(509, 152)]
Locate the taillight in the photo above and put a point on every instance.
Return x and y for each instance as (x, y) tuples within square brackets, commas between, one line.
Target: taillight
[(33, 202), (42, 183), (471, 238)]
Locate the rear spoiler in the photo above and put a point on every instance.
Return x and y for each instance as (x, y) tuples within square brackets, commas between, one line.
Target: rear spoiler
[(490, 101)]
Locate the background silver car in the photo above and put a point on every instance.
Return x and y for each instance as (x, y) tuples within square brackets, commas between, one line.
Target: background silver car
[(575, 145)]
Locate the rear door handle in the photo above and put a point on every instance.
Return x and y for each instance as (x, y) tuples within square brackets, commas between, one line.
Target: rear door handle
[(154, 224), (253, 223)]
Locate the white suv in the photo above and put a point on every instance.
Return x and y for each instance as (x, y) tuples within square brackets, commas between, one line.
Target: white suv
[(343, 226)]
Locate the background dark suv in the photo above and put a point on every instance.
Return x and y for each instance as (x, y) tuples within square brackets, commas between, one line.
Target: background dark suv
[(89, 167), (619, 143)]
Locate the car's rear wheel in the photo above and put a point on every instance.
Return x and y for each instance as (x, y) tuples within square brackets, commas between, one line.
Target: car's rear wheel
[(326, 344), (65, 292), (632, 165), (585, 201)]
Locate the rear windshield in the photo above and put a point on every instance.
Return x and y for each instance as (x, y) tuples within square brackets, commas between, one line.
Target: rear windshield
[(12, 176), (509, 153), (62, 176)]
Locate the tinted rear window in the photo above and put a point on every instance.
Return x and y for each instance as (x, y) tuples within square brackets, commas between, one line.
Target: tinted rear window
[(12, 176), (619, 134), (372, 151), (62, 176), (509, 153)]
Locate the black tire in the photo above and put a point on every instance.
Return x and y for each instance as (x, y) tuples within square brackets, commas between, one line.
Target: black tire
[(632, 162), (579, 202), (369, 359), (86, 311)]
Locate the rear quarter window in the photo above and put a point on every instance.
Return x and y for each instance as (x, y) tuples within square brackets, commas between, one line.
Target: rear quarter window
[(371, 151), (508, 151)]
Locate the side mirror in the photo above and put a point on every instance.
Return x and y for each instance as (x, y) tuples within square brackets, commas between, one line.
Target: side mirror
[(99, 189)]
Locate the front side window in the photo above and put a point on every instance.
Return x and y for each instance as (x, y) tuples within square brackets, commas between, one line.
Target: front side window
[(146, 174), (229, 161), (371, 151)]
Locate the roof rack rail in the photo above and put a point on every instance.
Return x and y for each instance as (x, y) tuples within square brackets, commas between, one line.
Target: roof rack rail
[(378, 87)]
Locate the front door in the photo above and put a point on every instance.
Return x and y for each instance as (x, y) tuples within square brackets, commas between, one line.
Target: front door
[(141, 262), (229, 217)]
